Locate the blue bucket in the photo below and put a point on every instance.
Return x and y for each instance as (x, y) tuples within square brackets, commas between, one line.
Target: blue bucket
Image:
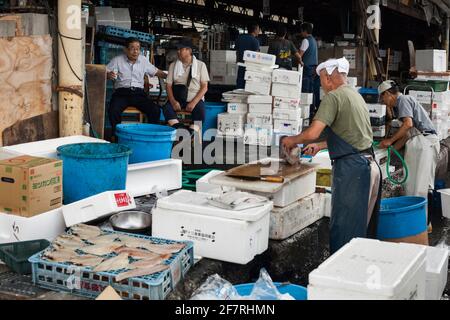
[(212, 109), (402, 217), (93, 168), (149, 142), (297, 292)]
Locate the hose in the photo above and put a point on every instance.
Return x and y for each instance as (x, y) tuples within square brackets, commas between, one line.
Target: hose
[(405, 178)]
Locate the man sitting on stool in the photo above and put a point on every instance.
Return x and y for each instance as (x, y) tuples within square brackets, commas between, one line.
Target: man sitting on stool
[(127, 71), (187, 84)]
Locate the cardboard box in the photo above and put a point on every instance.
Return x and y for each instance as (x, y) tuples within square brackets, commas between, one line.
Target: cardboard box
[(259, 119), (257, 77), (258, 99), (286, 76), (259, 58), (287, 114), (288, 126), (285, 103), (260, 108), (431, 60), (233, 107), (286, 90), (258, 87), (30, 185)]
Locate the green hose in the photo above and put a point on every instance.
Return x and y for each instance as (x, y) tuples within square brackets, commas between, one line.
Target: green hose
[(405, 178)]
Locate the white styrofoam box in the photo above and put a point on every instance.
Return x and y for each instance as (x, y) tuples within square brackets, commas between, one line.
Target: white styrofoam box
[(203, 185), (286, 103), (327, 205), (260, 108), (305, 111), (285, 222), (104, 16), (223, 80), (259, 119), (47, 225), (218, 68), (379, 132), (366, 269), (122, 18), (288, 126), (259, 58), (287, 114), (47, 148), (306, 98), (250, 66), (258, 136), (154, 176), (228, 56), (258, 87), (238, 95), (425, 96), (232, 69), (286, 90), (286, 76), (293, 191), (258, 99), (231, 124), (431, 60), (226, 235), (98, 206), (257, 77), (376, 109), (233, 107), (433, 76), (8, 154), (352, 81), (437, 271)]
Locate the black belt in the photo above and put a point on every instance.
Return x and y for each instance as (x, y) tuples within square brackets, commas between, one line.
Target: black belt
[(427, 133), (134, 89)]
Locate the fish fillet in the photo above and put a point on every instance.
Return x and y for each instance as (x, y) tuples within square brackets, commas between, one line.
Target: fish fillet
[(101, 249), (148, 262), (104, 239), (86, 260), (137, 253), (116, 263), (141, 272), (86, 232), (62, 255), (132, 242), (164, 248)]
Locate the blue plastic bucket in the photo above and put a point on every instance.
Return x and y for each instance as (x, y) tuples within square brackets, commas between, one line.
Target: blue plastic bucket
[(402, 217), (93, 168), (149, 142), (212, 109), (297, 292)]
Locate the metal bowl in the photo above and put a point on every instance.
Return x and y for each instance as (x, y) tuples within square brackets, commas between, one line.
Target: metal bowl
[(131, 221)]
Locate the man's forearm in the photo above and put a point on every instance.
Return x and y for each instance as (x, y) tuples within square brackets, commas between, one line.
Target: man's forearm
[(199, 96), (400, 134)]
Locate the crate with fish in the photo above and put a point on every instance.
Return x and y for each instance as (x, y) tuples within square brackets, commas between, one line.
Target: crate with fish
[(86, 260)]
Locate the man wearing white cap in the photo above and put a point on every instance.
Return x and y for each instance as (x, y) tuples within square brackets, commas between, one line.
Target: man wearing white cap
[(356, 190), (422, 146)]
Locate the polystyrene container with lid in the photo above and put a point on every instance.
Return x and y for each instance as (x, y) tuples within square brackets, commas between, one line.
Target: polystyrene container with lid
[(445, 199), (366, 269), (226, 235), (437, 269)]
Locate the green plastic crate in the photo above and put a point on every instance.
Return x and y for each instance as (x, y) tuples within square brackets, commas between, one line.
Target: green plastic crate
[(15, 255), (438, 86)]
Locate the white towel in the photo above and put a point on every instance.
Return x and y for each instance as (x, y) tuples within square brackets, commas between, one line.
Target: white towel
[(179, 70)]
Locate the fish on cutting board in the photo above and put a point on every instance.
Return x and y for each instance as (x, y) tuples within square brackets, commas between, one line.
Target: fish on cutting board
[(144, 271), (115, 263), (86, 232), (137, 253), (101, 249)]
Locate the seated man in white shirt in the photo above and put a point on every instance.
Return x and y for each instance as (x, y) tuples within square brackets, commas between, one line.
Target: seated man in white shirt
[(128, 71)]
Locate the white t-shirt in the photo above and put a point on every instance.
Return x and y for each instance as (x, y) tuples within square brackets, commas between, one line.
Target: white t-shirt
[(305, 45)]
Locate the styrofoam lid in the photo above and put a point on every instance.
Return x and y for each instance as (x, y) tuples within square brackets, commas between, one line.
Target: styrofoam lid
[(197, 203), (369, 266), (436, 258)]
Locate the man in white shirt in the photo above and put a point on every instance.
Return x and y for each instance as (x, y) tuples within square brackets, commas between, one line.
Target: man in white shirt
[(127, 71)]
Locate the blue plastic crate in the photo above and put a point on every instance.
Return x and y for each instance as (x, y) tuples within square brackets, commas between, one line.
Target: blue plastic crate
[(82, 281), (126, 33)]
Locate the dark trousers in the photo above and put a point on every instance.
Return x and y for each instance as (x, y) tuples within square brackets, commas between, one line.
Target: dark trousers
[(240, 82), (311, 84), (198, 114), (123, 98)]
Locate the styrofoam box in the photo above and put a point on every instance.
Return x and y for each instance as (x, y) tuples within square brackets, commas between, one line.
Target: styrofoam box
[(258, 136), (425, 96), (285, 103), (223, 80), (238, 95), (286, 76), (293, 191), (226, 235), (437, 272), (288, 126), (203, 185), (218, 68), (256, 67), (379, 132), (287, 114), (228, 56), (232, 69), (47, 225), (260, 108), (305, 111), (233, 107), (122, 17), (306, 123), (285, 222), (231, 124), (286, 90), (376, 109), (259, 119), (257, 77), (258, 87), (258, 99), (306, 98), (366, 269), (97, 206), (259, 58), (352, 81), (327, 205), (431, 60)]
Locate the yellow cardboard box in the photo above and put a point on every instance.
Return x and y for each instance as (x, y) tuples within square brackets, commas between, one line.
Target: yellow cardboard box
[(30, 185)]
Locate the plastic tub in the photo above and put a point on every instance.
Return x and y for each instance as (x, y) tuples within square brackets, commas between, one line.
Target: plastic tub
[(149, 142), (15, 255), (297, 292), (212, 109), (402, 217), (93, 168), (445, 200)]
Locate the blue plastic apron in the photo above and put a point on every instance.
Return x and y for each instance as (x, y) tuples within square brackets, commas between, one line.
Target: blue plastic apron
[(350, 194)]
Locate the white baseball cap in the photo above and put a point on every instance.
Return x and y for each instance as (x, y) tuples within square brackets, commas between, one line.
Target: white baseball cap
[(341, 64), (385, 86)]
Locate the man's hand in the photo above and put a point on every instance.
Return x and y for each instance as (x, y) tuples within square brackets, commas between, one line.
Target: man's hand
[(386, 143), (176, 106), (190, 106), (288, 143), (111, 75), (312, 149)]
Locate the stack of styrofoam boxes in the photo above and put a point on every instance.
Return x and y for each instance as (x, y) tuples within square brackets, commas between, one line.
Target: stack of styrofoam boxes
[(259, 127), (367, 269), (287, 113), (258, 72), (231, 123), (377, 114), (223, 68)]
